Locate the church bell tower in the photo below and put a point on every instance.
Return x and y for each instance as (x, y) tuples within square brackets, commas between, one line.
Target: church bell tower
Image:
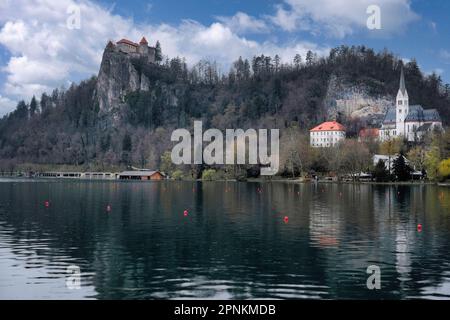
[(402, 106)]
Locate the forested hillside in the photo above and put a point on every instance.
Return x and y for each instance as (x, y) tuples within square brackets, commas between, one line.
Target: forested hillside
[(67, 127)]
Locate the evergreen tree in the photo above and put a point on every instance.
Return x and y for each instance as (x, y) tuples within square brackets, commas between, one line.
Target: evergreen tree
[(309, 58), (126, 149), (380, 173), (158, 52), (33, 106), (401, 170), (297, 61), (21, 110)]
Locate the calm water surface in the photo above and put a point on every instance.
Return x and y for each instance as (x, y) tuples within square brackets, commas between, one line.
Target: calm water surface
[(233, 244)]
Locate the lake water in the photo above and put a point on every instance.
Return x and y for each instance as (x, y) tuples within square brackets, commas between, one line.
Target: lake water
[(234, 243)]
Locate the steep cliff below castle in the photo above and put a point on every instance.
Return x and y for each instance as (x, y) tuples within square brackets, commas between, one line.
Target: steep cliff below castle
[(117, 77)]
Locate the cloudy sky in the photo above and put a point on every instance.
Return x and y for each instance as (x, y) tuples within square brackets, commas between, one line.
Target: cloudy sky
[(42, 46)]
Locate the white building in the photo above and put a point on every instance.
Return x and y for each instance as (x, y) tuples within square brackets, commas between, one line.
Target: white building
[(388, 161), (327, 134), (411, 122)]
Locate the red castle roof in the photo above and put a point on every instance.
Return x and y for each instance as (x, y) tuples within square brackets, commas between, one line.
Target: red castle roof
[(126, 41), (329, 126), (143, 41)]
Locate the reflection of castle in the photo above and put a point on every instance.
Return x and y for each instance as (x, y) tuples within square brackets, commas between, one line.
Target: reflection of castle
[(141, 49), (411, 122)]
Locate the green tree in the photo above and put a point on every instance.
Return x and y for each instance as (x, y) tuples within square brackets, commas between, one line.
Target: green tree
[(297, 61), (380, 172), (126, 148), (444, 169), (432, 159), (401, 169), (21, 111), (210, 175), (33, 106), (158, 52), (178, 175), (166, 164), (309, 58), (416, 157)]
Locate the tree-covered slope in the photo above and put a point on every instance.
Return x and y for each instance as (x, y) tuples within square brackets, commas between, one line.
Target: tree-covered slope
[(88, 123)]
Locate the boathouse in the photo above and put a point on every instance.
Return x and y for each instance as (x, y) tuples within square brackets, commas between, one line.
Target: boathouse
[(141, 175)]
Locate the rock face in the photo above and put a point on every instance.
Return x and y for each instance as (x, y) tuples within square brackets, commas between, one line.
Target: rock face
[(354, 101), (117, 77)]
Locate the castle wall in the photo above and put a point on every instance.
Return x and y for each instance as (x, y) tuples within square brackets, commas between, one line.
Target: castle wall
[(126, 48)]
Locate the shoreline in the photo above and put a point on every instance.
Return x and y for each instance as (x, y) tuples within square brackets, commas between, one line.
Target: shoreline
[(251, 180)]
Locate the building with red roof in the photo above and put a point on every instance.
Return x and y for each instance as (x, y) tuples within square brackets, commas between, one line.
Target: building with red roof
[(326, 134), (141, 49), (367, 134)]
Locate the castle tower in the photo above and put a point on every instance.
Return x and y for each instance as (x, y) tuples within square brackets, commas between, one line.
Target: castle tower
[(402, 106), (143, 46)]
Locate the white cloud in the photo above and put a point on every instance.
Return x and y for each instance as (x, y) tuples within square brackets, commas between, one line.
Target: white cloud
[(6, 105), (242, 23), (338, 18), (45, 54)]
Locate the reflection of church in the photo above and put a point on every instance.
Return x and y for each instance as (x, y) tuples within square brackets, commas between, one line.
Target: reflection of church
[(409, 121)]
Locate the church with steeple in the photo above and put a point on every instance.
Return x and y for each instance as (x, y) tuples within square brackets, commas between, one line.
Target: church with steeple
[(409, 121)]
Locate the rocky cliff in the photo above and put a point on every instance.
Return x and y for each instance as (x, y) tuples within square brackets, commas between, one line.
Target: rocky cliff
[(354, 101), (116, 78)]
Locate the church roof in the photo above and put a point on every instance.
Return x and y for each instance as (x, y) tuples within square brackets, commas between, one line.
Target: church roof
[(431, 115), (417, 113), (391, 116)]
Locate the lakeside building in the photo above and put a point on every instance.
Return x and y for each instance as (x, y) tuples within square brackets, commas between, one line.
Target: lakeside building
[(409, 121), (389, 164), (141, 175), (125, 175), (387, 160), (326, 134)]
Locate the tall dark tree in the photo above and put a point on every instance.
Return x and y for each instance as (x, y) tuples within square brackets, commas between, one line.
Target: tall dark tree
[(401, 169), (126, 149), (309, 58), (21, 111), (380, 172), (158, 52), (33, 106), (297, 61)]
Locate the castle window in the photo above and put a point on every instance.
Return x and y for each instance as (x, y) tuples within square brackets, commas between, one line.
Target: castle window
[(400, 102)]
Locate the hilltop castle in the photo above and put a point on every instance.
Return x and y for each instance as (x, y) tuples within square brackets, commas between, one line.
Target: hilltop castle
[(411, 122), (141, 49)]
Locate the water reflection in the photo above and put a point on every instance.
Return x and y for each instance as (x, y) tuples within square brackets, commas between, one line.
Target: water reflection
[(234, 243)]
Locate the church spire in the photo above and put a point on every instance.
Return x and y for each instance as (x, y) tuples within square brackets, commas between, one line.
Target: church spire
[(402, 82)]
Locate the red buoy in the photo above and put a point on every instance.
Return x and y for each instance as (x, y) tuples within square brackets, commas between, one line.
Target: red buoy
[(419, 227), (185, 213), (286, 219)]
